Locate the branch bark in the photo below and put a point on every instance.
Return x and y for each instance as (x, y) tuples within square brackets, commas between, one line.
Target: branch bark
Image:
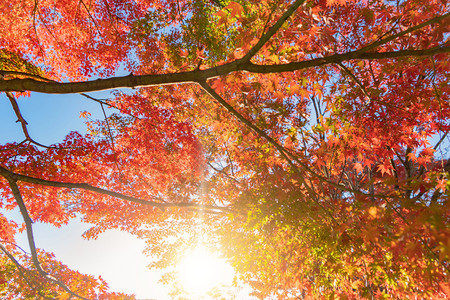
[(28, 223), (22, 121), (84, 186), (21, 270), (272, 30), (283, 152), (133, 81), (403, 32)]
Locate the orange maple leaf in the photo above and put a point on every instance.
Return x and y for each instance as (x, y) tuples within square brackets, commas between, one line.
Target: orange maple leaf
[(336, 2), (358, 167), (384, 170), (442, 184), (235, 8)]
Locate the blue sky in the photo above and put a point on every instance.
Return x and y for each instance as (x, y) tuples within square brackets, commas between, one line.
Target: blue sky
[(116, 256)]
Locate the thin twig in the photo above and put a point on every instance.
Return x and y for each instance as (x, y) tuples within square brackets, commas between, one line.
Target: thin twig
[(29, 75), (363, 88), (24, 123), (35, 9), (223, 172), (401, 33), (112, 140), (15, 146), (92, 18), (283, 152), (15, 245), (268, 20), (21, 270), (272, 30)]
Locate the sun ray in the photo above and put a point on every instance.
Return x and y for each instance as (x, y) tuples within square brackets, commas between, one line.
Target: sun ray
[(199, 271)]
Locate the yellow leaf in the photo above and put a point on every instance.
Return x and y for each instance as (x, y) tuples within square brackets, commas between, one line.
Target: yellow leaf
[(373, 211), (63, 296)]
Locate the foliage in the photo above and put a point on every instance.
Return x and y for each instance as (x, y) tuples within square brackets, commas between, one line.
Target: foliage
[(307, 138)]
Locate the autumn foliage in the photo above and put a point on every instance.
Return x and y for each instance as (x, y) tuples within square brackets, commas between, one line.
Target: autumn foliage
[(309, 136)]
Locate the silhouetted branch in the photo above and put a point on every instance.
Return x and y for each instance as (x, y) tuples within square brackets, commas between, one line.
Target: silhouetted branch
[(221, 171), (28, 222), (283, 151), (272, 30), (84, 186), (403, 32), (133, 81), (21, 270), (24, 123)]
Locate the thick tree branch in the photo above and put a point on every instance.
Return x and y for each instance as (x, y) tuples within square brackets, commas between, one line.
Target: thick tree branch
[(242, 64), (133, 81), (28, 223), (339, 58), (84, 186)]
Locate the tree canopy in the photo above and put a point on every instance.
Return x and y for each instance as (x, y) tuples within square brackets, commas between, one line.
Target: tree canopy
[(308, 136)]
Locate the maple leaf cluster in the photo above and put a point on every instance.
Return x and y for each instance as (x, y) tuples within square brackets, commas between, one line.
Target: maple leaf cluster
[(309, 136)]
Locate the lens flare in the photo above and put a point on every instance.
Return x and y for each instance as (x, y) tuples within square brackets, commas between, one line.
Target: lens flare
[(200, 271)]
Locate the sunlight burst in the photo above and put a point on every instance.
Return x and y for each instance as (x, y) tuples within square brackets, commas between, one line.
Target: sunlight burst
[(200, 271)]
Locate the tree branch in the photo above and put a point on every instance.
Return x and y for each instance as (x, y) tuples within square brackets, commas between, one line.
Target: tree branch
[(406, 31), (28, 222), (15, 146), (133, 81), (24, 123), (221, 171), (84, 186), (339, 58), (21, 269), (363, 89), (272, 30), (284, 153)]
